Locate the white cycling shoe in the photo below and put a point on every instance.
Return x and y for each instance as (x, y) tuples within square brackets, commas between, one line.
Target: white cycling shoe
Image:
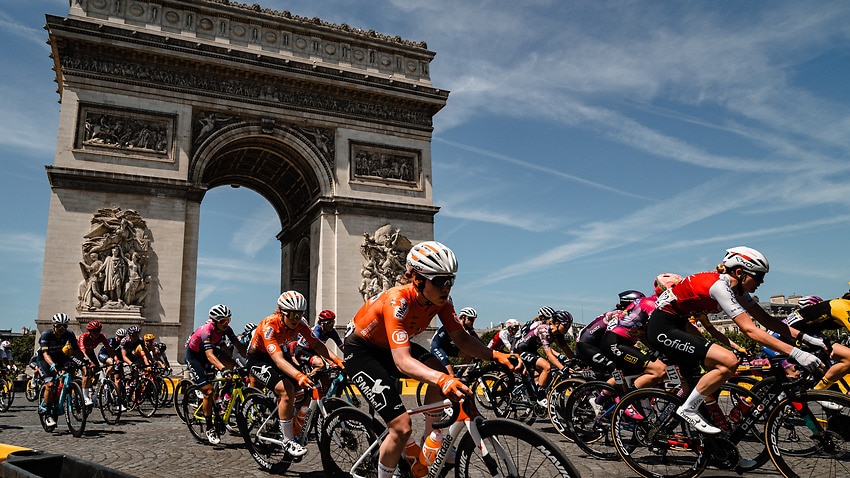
[(293, 448), (832, 406), (49, 421), (696, 421)]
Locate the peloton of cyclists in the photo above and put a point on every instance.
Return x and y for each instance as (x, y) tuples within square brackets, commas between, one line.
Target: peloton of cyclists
[(304, 356), (553, 330), (270, 364)]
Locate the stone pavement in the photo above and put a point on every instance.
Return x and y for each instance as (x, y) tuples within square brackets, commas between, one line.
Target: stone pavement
[(162, 446)]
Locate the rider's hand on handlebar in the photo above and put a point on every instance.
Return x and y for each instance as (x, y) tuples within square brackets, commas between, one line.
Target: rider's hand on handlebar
[(816, 341), (339, 363), (452, 387), (511, 361), (805, 359), (303, 380)]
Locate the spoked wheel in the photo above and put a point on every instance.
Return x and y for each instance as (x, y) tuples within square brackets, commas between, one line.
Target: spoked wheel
[(514, 450), (557, 404), (589, 409), (657, 442), (7, 394), (146, 397), (809, 435), (31, 391), (110, 401), (76, 411), (257, 421), (177, 396), (483, 389), (193, 414), (345, 436), (751, 447)]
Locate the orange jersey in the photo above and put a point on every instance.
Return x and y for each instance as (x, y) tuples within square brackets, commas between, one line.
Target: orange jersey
[(389, 319), (272, 335)]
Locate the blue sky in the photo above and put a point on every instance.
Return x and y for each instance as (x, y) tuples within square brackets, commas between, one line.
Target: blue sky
[(585, 148)]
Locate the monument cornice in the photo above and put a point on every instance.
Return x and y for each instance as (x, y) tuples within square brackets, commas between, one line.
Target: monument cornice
[(103, 181)]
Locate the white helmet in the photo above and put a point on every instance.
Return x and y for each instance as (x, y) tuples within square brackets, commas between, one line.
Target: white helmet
[(61, 319), (545, 312), (431, 259), (468, 312), (292, 300), (219, 312), (510, 323), (748, 258)]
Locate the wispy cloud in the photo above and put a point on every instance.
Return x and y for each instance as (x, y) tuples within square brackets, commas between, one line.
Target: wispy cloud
[(12, 26), (240, 271), (258, 229), (22, 246)]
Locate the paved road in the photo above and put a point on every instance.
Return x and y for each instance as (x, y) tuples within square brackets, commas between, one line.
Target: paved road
[(162, 446)]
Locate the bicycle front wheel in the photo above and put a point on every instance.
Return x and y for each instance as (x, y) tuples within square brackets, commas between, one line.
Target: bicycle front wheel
[(258, 425), (110, 402), (32, 390), (557, 405), (75, 409), (347, 434), (146, 397), (179, 393), (7, 394), (588, 418), (809, 434), (513, 449), (652, 439), (193, 413)]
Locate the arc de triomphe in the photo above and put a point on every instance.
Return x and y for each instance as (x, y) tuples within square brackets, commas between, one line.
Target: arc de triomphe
[(163, 100)]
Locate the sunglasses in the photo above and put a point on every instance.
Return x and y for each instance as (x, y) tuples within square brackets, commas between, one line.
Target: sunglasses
[(443, 281), (757, 276), (59, 326), (293, 314)]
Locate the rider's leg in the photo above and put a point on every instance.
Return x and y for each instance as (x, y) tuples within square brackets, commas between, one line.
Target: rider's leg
[(721, 365), (841, 355), (542, 365), (398, 432)]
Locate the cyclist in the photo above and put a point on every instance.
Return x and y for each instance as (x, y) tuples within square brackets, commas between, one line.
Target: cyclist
[(543, 315), (378, 349), (130, 348), (442, 346), (150, 349), (202, 352), (589, 341), (802, 302), (52, 360), (549, 331), (303, 355), (505, 339), (727, 289), (87, 341), (113, 359), (270, 364), (6, 356)]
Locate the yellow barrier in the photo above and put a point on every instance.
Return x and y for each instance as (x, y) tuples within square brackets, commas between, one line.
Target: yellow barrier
[(6, 449)]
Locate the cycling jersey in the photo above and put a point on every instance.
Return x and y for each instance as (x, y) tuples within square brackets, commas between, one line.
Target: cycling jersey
[(273, 335), (88, 341), (442, 346), (207, 336), (320, 334), (594, 331), (540, 336), (503, 340), (6, 353), (103, 353), (704, 293), (389, 319), (632, 323), (826, 315), (129, 345), (52, 344)]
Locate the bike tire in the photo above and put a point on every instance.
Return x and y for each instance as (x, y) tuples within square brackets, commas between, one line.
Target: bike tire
[(179, 393), (794, 447), (515, 450), (252, 421), (589, 423), (649, 446), (76, 411), (110, 401), (31, 390), (193, 414), (146, 397), (482, 388), (7, 394), (557, 405), (347, 433)]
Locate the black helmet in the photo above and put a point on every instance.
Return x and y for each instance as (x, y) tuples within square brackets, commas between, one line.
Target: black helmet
[(629, 296)]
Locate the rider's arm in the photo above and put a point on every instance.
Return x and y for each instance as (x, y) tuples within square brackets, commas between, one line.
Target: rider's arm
[(210, 354)]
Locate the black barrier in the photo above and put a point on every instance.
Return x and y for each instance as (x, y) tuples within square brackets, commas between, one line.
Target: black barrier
[(37, 464)]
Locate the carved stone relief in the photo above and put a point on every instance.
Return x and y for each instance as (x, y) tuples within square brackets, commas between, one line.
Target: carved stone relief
[(384, 257), (384, 164), (115, 258), (133, 132)]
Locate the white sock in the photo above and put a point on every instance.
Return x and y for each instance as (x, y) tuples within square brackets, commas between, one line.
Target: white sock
[(86, 394), (286, 429), (693, 401), (384, 472)]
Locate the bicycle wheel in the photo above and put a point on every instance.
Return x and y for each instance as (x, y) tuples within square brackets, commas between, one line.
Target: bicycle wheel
[(808, 435), (589, 420), (146, 397), (179, 393), (110, 402), (557, 402), (75, 409), (347, 434), (7, 394), (31, 391), (657, 443), (514, 450), (258, 423), (161, 391), (483, 389), (421, 390), (193, 414)]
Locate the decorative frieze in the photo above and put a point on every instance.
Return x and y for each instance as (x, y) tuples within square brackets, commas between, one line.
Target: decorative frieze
[(386, 166), (143, 135)]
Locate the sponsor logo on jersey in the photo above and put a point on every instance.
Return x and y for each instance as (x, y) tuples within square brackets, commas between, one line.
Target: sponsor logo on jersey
[(676, 344), (271, 348), (400, 337), (400, 309), (371, 389)]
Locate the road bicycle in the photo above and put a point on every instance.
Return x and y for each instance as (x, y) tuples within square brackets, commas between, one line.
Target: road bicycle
[(804, 432), (7, 390), (259, 424), (229, 396), (34, 383), (70, 401), (482, 447)]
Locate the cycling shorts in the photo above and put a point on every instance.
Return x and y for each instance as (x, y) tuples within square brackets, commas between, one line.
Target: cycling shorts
[(666, 333), (592, 355), (375, 374), (198, 366), (624, 354)]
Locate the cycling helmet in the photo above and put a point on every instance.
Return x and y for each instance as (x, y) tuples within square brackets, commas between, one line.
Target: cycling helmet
[(120, 333), (511, 323), (149, 337), (808, 300), (133, 329), (468, 312), (249, 327), (665, 281), (94, 325), (431, 259), (5, 344), (545, 312), (161, 347), (748, 258), (61, 319), (563, 317), (219, 312), (291, 300), (327, 316), (629, 296)]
